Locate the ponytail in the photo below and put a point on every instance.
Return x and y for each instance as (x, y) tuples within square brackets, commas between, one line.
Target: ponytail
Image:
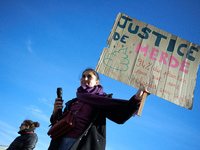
[(31, 124)]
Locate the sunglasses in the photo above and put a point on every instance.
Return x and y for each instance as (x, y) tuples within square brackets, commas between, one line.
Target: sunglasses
[(23, 124)]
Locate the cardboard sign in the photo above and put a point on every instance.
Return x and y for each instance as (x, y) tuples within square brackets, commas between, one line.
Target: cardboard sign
[(142, 55)]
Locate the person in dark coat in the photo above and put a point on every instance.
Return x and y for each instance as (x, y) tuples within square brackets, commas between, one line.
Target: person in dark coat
[(92, 107), (28, 138)]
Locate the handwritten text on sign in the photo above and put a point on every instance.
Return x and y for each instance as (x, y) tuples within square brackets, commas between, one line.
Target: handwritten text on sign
[(140, 54)]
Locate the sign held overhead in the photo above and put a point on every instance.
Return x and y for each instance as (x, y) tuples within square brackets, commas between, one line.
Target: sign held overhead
[(142, 55)]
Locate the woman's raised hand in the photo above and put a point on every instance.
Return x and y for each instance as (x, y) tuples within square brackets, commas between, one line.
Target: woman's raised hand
[(58, 105), (140, 93)]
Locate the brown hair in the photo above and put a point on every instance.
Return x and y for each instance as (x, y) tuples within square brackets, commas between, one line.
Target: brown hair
[(93, 71), (31, 124)]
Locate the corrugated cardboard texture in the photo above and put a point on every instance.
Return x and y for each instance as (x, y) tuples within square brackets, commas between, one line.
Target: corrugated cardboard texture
[(142, 55)]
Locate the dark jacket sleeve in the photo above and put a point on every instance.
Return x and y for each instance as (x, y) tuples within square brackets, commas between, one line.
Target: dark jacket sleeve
[(53, 118), (122, 113), (26, 142), (30, 142), (16, 144)]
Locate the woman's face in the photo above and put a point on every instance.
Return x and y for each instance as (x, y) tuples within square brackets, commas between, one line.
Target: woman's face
[(23, 127), (88, 78)]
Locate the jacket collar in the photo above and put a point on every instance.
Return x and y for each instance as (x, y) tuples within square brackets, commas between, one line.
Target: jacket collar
[(26, 131)]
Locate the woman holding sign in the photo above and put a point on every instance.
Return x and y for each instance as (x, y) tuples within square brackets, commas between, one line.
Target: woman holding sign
[(93, 106)]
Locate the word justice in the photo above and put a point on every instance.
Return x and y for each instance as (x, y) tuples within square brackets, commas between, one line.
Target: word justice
[(144, 34)]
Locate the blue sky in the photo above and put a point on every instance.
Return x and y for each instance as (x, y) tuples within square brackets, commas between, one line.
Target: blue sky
[(45, 44)]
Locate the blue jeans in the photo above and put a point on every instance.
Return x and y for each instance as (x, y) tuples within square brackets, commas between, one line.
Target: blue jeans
[(66, 143)]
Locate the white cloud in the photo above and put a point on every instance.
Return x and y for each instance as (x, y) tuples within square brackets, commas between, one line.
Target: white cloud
[(6, 137), (7, 133), (46, 102), (34, 110), (7, 128), (4, 124), (29, 43)]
